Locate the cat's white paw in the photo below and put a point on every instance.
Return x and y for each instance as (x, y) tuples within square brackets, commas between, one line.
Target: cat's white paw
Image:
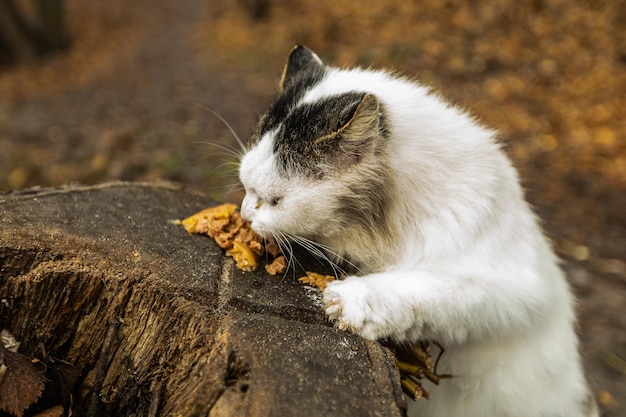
[(351, 305)]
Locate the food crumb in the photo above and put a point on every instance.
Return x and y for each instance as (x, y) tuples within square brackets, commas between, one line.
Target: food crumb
[(316, 280), (278, 266), (230, 231)]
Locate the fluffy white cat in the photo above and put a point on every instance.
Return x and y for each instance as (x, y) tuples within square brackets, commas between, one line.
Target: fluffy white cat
[(381, 171)]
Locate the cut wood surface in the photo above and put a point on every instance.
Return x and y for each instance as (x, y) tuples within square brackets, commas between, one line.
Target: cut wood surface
[(159, 322)]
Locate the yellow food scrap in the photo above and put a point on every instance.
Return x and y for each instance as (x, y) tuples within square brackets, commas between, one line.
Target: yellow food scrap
[(271, 247), (244, 257), (316, 280), (210, 218), (278, 266), (230, 231)]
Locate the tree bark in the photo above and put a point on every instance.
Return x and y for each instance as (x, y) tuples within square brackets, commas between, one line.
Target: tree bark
[(159, 322), (14, 31), (51, 23)]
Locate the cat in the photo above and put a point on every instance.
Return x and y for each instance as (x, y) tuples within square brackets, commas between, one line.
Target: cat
[(421, 199)]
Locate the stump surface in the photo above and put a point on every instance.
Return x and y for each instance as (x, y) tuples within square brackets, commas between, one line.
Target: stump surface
[(196, 337)]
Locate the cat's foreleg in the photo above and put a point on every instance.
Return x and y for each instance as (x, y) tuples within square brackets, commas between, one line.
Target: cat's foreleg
[(412, 305)]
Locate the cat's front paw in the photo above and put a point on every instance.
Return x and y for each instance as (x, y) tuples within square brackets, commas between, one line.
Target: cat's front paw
[(353, 307)]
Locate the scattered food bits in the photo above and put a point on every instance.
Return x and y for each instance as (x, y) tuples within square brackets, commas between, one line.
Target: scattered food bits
[(245, 258), (230, 231), (210, 219), (607, 400), (271, 247), (278, 266), (316, 280)]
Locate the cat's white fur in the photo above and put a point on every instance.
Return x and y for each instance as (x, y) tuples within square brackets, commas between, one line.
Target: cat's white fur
[(465, 263)]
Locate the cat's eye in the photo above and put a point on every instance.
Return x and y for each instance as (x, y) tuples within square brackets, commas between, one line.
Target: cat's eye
[(274, 201)]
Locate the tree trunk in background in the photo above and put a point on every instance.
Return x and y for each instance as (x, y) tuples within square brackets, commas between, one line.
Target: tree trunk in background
[(15, 34), (30, 37), (51, 23)]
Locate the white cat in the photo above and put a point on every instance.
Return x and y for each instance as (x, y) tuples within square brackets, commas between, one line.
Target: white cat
[(419, 196)]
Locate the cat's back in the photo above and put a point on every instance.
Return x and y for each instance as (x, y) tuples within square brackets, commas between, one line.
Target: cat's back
[(414, 113)]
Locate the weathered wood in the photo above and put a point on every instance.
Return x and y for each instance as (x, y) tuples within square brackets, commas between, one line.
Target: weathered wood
[(189, 335)]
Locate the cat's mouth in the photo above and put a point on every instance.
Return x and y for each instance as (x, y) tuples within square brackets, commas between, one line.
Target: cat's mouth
[(265, 234), (256, 225)]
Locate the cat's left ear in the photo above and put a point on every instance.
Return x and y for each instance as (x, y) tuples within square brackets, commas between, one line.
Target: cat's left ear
[(365, 123), (359, 134), (301, 59)]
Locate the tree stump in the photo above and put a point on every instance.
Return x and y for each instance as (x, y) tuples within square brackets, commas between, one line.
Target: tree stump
[(158, 322)]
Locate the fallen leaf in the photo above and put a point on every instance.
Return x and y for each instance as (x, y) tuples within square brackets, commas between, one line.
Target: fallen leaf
[(21, 382), (56, 411)]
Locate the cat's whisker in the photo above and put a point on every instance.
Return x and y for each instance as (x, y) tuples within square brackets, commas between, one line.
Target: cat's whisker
[(317, 252), (229, 185), (235, 187), (228, 151), (327, 250), (283, 247), (288, 239), (217, 143), (224, 190), (293, 262), (339, 257), (228, 126), (287, 250), (224, 166)]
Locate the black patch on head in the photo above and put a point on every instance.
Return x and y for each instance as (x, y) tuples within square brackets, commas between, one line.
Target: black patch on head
[(286, 102), (330, 136), (300, 146), (301, 60), (302, 72)]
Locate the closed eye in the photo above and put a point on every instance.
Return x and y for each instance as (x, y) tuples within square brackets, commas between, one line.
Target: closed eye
[(274, 201)]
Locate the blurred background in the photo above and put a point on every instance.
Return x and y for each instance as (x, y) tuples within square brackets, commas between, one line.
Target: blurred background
[(118, 90)]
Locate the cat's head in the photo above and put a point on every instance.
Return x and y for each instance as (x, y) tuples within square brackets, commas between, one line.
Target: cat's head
[(316, 164)]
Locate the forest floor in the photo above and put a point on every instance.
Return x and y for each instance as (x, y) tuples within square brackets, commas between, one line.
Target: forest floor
[(130, 100)]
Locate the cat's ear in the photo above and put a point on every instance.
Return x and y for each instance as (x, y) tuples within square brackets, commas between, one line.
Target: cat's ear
[(365, 122), (300, 60), (359, 121), (361, 127)]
